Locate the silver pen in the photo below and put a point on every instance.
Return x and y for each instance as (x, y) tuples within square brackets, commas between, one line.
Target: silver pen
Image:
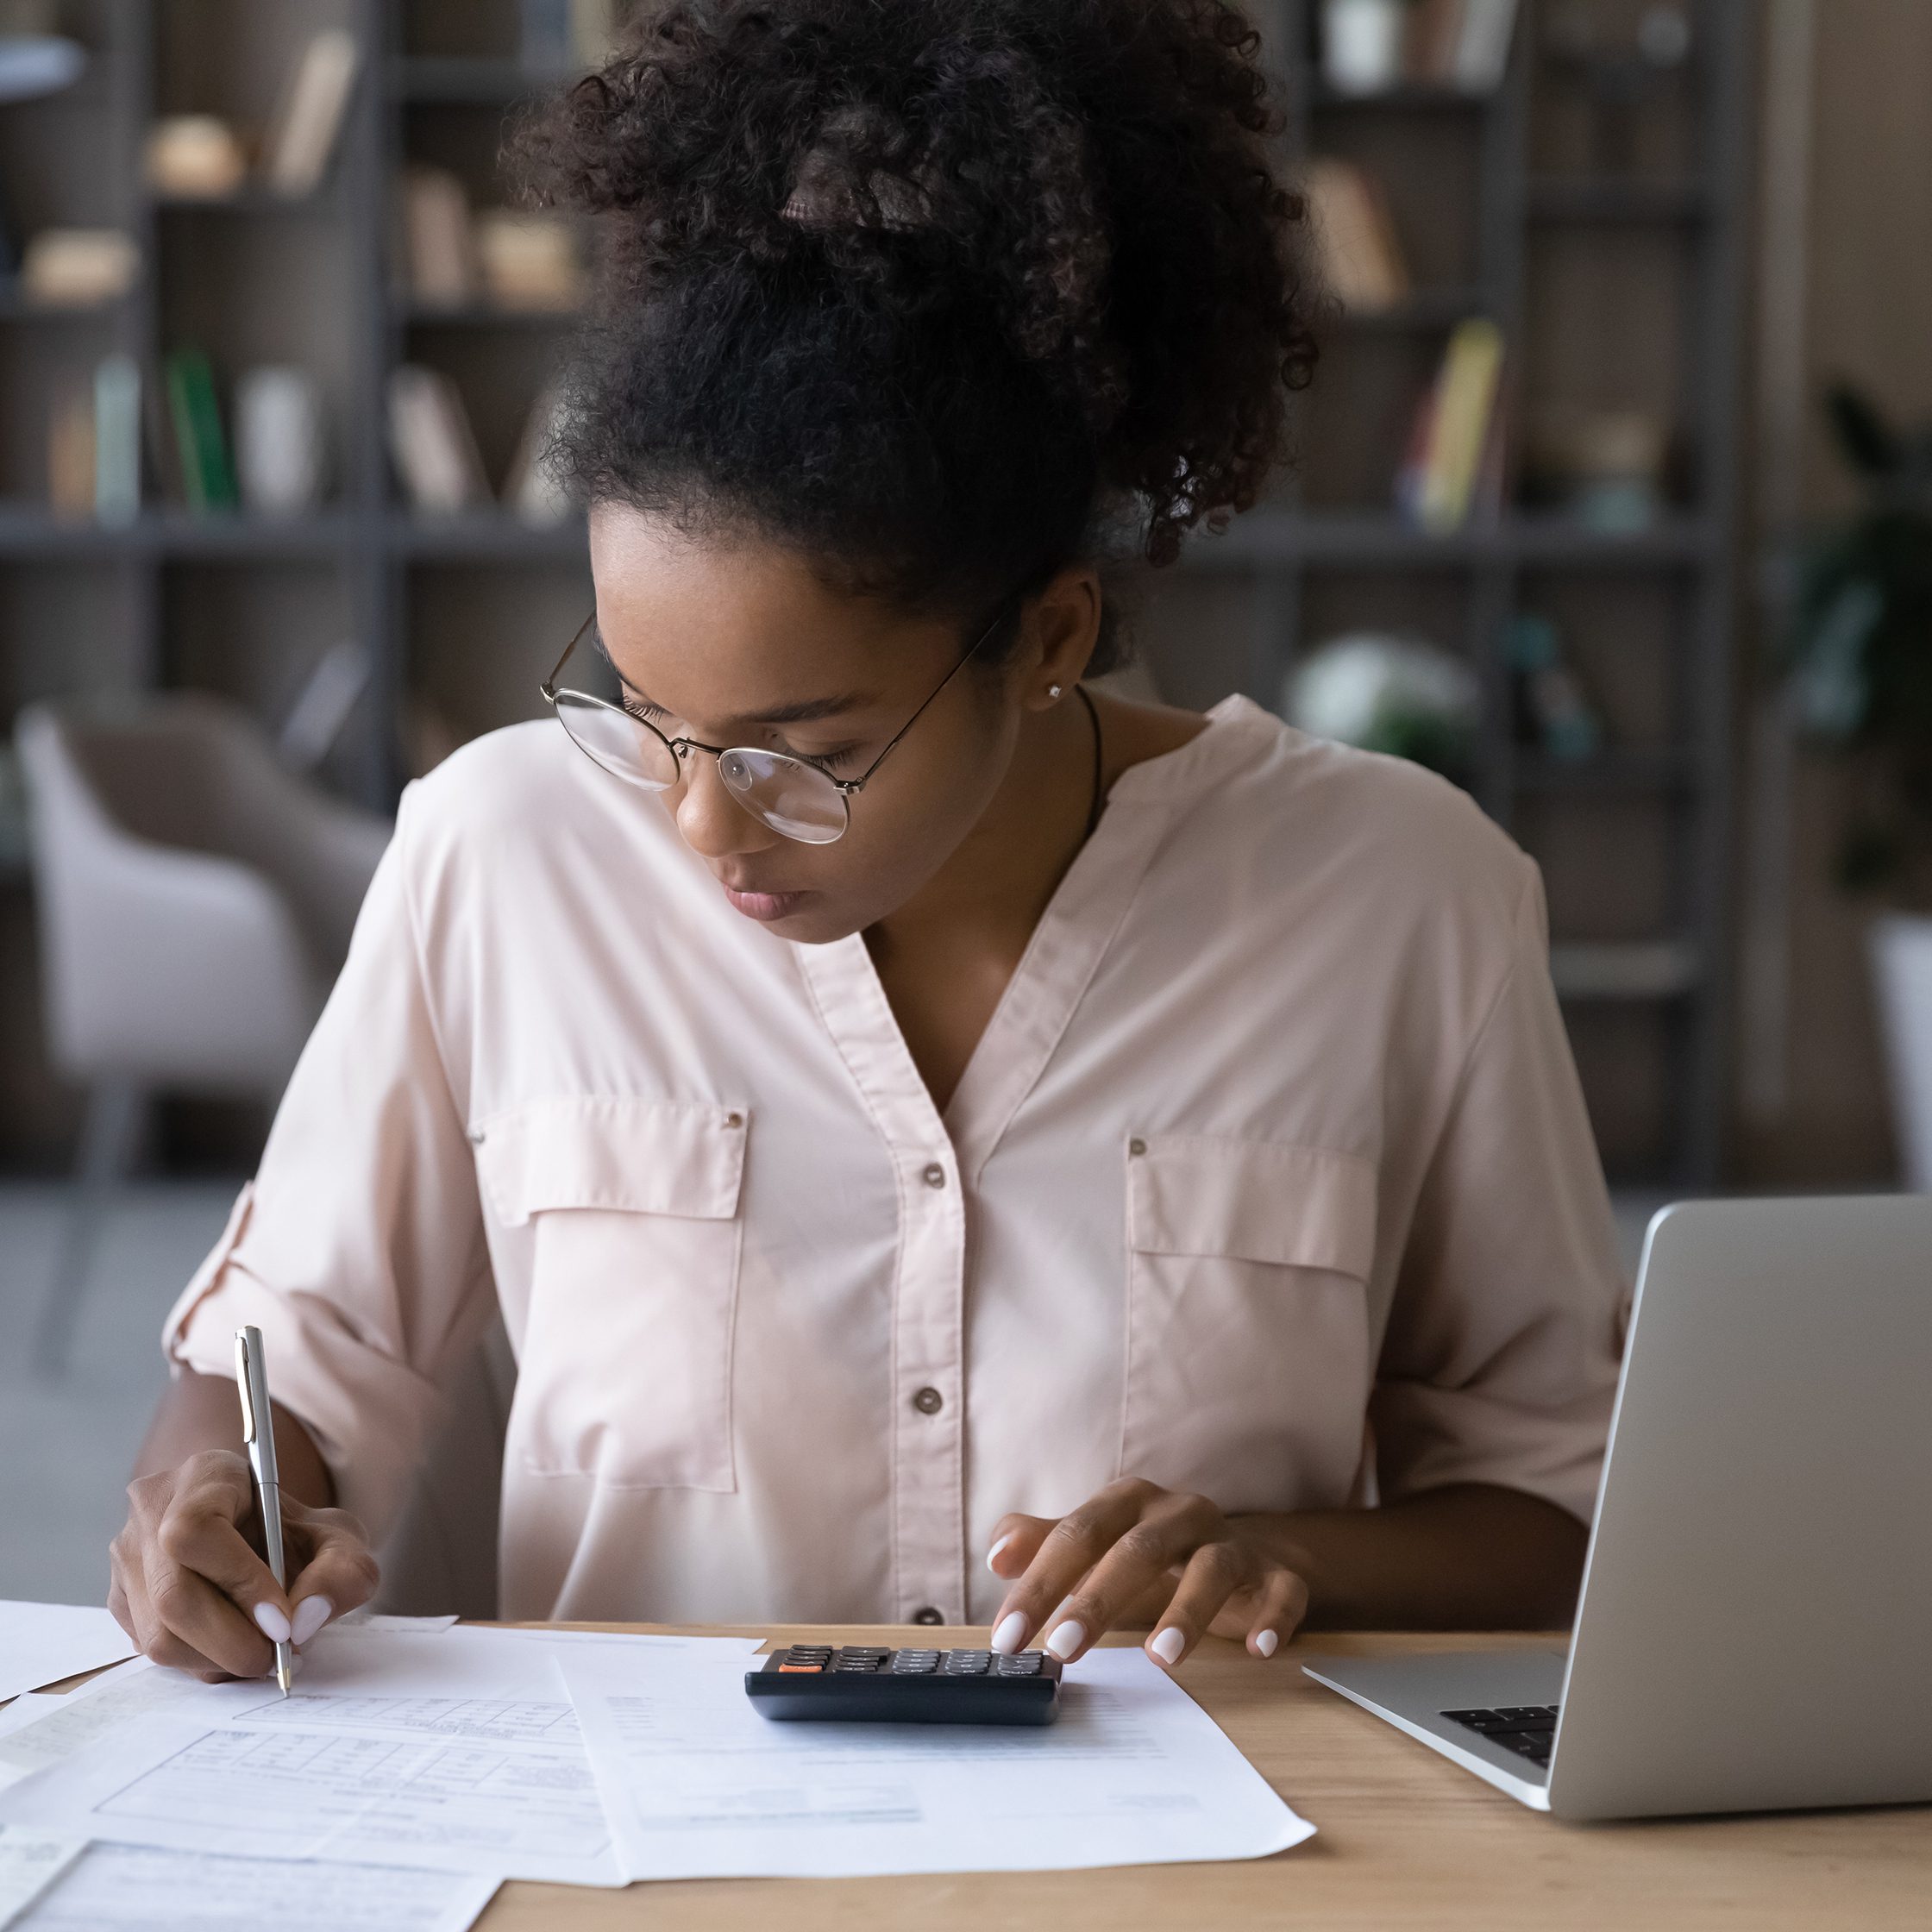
[(258, 1432)]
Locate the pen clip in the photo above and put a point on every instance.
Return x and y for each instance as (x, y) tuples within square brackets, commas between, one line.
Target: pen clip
[(243, 1380)]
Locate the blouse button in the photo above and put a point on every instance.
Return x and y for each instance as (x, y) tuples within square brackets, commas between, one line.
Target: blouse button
[(929, 1402), (929, 1616), (934, 1175), (1137, 1148), (734, 1119)]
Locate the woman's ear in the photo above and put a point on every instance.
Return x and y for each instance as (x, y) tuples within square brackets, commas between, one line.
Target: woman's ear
[(1065, 627)]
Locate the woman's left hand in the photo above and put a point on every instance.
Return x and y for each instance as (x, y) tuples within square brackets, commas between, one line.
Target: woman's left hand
[(1137, 1553)]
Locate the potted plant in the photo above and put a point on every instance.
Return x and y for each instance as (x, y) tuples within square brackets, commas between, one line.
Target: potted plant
[(1862, 683)]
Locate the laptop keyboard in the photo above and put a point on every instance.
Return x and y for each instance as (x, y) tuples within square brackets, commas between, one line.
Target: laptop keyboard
[(1526, 1729)]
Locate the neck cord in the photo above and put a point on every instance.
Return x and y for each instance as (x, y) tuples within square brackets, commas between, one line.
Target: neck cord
[(1098, 797)]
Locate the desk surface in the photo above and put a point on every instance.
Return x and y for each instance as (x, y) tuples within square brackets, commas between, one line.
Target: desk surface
[(1404, 1838)]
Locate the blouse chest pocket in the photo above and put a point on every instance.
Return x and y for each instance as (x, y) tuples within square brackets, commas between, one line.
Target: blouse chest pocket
[(625, 1370), (1248, 1368)]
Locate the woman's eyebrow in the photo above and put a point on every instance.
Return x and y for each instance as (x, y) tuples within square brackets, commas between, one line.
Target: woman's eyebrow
[(805, 711)]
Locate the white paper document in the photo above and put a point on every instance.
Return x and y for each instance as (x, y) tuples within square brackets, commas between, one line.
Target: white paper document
[(126, 1888), (30, 1861), (367, 1619), (454, 1750), (697, 1784), (41, 1643), (37, 1731)]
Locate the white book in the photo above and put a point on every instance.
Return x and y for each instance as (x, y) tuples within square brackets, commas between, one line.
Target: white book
[(1482, 46), (432, 443), (532, 491), (117, 439), (304, 135)]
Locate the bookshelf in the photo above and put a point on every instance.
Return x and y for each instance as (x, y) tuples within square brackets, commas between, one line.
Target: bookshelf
[(460, 613), (1612, 287)]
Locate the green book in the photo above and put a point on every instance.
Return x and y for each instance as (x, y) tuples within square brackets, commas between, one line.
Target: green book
[(197, 429)]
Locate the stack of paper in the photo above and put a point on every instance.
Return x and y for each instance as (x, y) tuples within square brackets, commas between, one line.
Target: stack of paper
[(41, 1643), (454, 1757)]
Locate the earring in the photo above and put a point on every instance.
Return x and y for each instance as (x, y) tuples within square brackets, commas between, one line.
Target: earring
[(1053, 691)]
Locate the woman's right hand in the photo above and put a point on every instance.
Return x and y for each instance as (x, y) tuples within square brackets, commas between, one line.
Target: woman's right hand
[(190, 1588)]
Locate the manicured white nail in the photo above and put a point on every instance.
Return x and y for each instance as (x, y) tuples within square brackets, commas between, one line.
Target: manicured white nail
[(996, 1548), (1010, 1633), (1168, 1644), (1267, 1643), (1067, 1639), (274, 1625), (311, 1614)]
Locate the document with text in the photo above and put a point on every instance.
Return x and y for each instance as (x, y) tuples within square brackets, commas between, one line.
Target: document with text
[(454, 1750), (30, 1861), (37, 1731), (131, 1888), (697, 1784)]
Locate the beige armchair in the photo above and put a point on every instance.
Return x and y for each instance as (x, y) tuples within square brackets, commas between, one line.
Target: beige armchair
[(195, 901)]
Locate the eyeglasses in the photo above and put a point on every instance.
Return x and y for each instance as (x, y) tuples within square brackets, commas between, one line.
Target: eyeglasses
[(794, 796)]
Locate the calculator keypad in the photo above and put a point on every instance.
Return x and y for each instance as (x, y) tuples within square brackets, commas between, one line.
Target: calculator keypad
[(869, 1660), (851, 1683)]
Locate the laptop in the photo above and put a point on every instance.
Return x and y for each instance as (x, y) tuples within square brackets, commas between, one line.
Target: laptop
[(1755, 1631)]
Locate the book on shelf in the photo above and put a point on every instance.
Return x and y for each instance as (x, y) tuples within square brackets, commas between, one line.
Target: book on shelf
[(164, 477), (531, 493), (302, 137), (432, 443), (439, 242), (1357, 254), (117, 439), (1454, 457), (1459, 43), (328, 694), (528, 260), (70, 451), (207, 474), (94, 443)]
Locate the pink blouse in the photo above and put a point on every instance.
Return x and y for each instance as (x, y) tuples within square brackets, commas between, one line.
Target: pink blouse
[(1269, 1179)]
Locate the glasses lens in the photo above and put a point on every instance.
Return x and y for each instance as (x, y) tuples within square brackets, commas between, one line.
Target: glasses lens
[(794, 799), (623, 745)]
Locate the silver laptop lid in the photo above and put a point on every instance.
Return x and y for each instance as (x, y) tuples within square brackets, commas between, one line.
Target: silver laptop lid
[(1755, 1628)]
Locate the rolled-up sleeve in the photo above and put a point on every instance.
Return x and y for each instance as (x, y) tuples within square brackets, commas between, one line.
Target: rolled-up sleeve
[(1500, 1359), (358, 1248)]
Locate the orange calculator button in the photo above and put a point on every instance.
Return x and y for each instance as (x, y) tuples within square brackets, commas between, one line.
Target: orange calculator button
[(808, 1669)]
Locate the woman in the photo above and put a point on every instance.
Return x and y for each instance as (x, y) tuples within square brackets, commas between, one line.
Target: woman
[(946, 1145)]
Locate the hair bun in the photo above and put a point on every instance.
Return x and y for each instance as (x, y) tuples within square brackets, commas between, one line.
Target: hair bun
[(1068, 202)]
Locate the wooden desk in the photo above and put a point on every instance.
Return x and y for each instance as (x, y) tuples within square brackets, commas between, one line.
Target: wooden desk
[(1404, 1838)]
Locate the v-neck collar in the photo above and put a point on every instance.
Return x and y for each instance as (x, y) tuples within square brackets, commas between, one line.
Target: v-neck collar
[(1072, 936)]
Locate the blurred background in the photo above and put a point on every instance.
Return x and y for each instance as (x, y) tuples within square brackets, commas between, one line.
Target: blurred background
[(1613, 501)]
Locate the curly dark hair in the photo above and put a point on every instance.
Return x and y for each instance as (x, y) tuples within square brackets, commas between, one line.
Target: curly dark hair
[(937, 290)]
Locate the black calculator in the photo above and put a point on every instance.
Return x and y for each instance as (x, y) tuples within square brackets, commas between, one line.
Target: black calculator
[(853, 1684)]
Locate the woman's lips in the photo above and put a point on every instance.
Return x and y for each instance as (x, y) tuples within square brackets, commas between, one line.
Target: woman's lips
[(767, 905)]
